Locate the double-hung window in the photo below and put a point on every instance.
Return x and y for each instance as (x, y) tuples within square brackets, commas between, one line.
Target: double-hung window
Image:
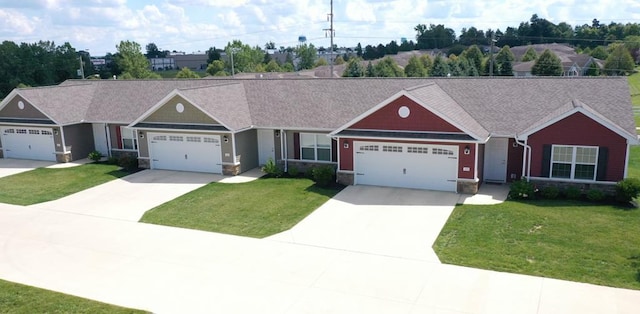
[(574, 162), (315, 147), (128, 138)]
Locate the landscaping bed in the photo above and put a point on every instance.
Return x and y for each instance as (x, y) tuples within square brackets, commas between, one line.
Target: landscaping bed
[(255, 209)]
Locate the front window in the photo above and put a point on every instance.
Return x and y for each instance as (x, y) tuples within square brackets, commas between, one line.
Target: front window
[(315, 147), (128, 138), (574, 162)]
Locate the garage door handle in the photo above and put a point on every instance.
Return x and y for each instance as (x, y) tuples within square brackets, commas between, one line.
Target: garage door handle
[(29, 146), (404, 170), (185, 156)]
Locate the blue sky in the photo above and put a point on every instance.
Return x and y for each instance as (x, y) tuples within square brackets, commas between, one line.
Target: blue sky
[(196, 25)]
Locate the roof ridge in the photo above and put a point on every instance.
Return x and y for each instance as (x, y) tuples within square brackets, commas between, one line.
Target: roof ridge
[(207, 86), (412, 88)]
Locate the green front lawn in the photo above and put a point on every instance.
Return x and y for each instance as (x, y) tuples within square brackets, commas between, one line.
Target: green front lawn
[(17, 298), (569, 240), (255, 209), (44, 184)]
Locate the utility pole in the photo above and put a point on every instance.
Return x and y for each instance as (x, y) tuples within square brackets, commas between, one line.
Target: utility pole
[(493, 40), (81, 67), (332, 33)]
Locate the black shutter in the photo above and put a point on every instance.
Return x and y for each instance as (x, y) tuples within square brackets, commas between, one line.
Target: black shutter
[(603, 161), (296, 145), (546, 160), (334, 150)]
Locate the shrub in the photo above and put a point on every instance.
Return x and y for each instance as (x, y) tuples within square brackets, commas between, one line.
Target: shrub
[(550, 192), (293, 171), (572, 193), (112, 160), (128, 163), (323, 175), (95, 156), (595, 195), (271, 169), (627, 189), (521, 189)]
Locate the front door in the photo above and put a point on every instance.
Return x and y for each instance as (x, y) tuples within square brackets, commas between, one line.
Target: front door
[(495, 159), (266, 146)]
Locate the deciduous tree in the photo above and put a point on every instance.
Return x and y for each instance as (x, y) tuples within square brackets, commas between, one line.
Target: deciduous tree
[(548, 64)]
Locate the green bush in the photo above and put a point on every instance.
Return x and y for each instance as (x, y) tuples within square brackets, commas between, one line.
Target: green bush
[(627, 189), (595, 195), (112, 160), (95, 156), (271, 169), (550, 192), (293, 171), (572, 193), (521, 189), (323, 175), (128, 163)]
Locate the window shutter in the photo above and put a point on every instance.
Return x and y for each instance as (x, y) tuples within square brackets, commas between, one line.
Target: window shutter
[(296, 145), (119, 137), (603, 161), (546, 161), (334, 150)]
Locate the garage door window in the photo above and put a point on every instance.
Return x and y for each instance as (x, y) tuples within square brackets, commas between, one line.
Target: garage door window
[(129, 140), (315, 147)]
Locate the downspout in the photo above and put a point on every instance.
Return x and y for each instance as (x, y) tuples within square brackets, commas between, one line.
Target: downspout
[(526, 158), (475, 168), (64, 144), (108, 135), (626, 160), (337, 139)]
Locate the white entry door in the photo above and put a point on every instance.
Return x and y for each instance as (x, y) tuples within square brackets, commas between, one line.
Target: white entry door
[(28, 143), (266, 146), (419, 166), (495, 159), (185, 152), (100, 138)]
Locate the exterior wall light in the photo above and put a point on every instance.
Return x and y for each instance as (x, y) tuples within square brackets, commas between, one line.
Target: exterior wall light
[(277, 133), (141, 134), (467, 150), (55, 131), (345, 144), (225, 139)]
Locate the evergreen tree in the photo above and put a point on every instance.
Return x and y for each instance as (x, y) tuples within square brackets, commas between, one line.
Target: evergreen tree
[(529, 55), (354, 68), (548, 64), (415, 68), (370, 71), (187, 73), (619, 61), (504, 62), (440, 67)]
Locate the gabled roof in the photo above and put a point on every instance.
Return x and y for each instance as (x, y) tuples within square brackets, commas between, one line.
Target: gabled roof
[(503, 106)]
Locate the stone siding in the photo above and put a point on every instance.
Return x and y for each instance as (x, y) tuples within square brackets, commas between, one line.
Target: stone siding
[(230, 170), (468, 187), (345, 178)]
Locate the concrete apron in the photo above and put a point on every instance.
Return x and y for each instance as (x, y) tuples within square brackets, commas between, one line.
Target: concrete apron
[(172, 270)]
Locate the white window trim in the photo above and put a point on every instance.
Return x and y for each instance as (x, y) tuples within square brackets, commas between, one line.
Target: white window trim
[(573, 162), (133, 137), (315, 147)]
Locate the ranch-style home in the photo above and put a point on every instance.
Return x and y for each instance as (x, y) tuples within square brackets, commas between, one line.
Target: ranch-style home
[(448, 134)]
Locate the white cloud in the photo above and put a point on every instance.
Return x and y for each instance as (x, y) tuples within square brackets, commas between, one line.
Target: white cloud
[(360, 11), (13, 22)]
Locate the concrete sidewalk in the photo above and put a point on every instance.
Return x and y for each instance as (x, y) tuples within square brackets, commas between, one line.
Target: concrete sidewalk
[(172, 270), (10, 167)]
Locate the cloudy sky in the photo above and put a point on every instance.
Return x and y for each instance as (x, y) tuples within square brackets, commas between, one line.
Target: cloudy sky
[(196, 25)]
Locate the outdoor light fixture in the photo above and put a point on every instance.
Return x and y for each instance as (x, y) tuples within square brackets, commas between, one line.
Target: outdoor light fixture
[(55, 131), (141, 134), (277, 133), (345, 144), (226, 139), (467, 150)]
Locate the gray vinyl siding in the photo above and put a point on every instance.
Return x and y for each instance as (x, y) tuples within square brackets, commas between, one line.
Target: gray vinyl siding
[(80, 138), (247, 149)]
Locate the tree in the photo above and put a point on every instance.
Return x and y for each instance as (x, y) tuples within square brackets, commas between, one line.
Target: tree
[(187, 73), (369, 72), (440, 67), (504, 62), (619, 61), (154, 52), (245, 57), (474, 55), (426, 62), (359, 50), (354, 68), (133, 63), (213, 54), (548, 64), (272, 66), (529, 55), (594, 69), (339, 60), (320, 62), (436, 36), (216, 68), (387, 67), (632, 43), (415, 68), (307, 55), (599, 53)]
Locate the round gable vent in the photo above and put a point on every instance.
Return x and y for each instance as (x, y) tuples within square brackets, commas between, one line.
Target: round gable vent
[(404, 112), (179, 108), (21, 105)]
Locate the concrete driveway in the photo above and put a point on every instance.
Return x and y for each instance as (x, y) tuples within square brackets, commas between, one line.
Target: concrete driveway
[(13, 166), (128, 198), (172, 270), (377, 220)]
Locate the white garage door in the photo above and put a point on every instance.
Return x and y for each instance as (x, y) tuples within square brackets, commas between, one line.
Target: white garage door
[(185, 152), (28, 143), (431, 167)]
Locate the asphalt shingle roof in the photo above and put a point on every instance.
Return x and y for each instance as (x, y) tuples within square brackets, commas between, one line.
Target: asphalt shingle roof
[(503, 106)]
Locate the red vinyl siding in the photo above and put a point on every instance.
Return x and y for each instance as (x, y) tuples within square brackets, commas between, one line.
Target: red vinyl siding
[(579, 129), (346, 154), (419, 119), (514, 161)]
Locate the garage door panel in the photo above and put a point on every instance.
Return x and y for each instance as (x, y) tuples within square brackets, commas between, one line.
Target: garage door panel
[(28, 143), (185, 152), (404, 165)]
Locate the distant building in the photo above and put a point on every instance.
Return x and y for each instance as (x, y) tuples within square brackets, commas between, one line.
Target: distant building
[(195, 62), (162, 64)]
